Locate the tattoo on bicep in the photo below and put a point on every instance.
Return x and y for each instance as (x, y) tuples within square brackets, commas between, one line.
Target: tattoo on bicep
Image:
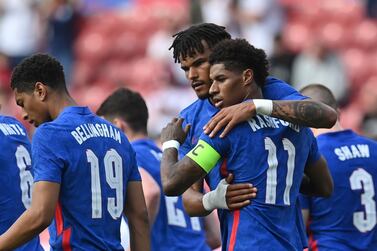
[(301, 112)]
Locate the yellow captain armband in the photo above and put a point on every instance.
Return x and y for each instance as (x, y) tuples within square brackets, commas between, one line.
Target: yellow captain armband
[(204, 155)]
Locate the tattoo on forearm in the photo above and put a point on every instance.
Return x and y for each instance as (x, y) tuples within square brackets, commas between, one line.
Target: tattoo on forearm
[(306, 113)]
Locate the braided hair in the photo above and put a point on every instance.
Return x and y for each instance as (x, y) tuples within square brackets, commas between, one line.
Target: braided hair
[(189, 42)]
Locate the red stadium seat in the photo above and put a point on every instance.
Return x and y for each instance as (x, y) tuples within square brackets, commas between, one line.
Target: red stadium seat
[(295, 36), (365, 34), (333, 35)]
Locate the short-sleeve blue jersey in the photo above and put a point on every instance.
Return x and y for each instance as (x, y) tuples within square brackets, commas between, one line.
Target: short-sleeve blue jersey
[(347, 220), (93, 162), (173, 228), (16, 178), (271, 154), (200, 112)]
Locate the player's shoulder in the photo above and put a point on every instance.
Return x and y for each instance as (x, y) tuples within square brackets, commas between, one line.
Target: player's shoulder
[(186, 112), (8, 119), (278, 89), (272, 82), (45, 131), (146, 149), (11, 120)]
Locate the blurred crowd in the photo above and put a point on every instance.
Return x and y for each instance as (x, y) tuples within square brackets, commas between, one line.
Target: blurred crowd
[(105, 44)]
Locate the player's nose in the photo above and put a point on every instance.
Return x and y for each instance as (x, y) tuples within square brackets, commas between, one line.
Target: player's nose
[(214, 88), (192, 74)]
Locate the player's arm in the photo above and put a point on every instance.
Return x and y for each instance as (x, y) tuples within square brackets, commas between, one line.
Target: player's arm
[(152, 195), (305, 202), (136, 212), (35, 219), (225, 196), (212, 228), (307, 113), (178, 176), (305, 216), (317, 180)]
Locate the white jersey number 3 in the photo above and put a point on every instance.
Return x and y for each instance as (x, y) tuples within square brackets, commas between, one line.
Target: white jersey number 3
[(114, 178), (364, 221)]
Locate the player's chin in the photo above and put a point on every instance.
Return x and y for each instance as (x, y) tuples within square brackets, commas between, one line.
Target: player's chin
[(202, 94)]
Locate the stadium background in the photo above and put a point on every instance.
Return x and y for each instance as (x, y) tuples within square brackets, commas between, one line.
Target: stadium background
[(104, 44)]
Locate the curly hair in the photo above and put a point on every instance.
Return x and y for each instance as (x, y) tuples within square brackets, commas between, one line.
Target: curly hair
[(239, 55), (189, 41), (38, 68), (129, 106)]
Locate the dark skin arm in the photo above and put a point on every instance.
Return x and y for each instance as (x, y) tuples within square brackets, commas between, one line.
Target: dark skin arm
[(317, 180), (35, 219), (136, 212), (237, 196), (177, 176), (307, 113)]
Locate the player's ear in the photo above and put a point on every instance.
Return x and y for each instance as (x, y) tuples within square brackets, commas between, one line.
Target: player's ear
[(121, 124), (40, 91), (248, 76)]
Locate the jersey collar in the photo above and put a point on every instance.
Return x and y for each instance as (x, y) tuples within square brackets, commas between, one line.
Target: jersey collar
[(83, 110)]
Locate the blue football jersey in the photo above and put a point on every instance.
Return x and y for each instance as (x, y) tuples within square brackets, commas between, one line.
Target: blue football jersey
[(271, 154), (16, 178), (93, 162), (200, 112), (347, 220), (173, 228)]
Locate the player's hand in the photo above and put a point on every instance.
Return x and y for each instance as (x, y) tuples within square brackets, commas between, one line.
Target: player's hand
[(229, 117), (239, 195), (174, 131)]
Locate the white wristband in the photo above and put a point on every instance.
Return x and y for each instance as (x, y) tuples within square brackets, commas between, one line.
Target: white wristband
[(170, 144), (216, 198), (263, 106)]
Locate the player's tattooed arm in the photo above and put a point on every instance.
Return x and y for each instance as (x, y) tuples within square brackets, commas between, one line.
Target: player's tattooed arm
[(177, 176), (308, 113)]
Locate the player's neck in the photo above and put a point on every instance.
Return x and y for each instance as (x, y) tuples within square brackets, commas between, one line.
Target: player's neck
[(59, 103), (336, 128), (254, 93), (133, 136)]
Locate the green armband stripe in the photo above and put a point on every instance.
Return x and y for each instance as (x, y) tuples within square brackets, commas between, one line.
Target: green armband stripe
[(204, 155)]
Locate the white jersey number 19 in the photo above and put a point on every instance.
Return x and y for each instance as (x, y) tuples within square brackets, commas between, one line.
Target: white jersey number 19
[(114, 178)]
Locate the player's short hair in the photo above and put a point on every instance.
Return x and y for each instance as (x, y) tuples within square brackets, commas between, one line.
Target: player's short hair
[(239, 55), (129, 106), (38, 68), (320, 93), (189, 42)]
